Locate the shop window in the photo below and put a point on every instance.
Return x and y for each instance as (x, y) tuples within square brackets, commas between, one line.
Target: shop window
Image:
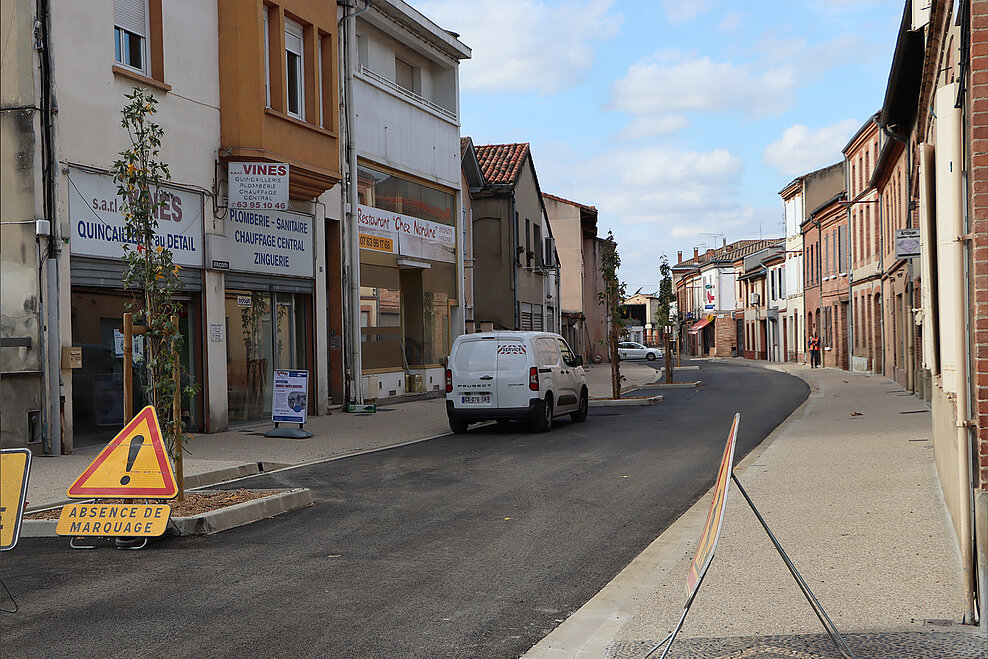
[(265, 331), (393, 193), (97, 387)]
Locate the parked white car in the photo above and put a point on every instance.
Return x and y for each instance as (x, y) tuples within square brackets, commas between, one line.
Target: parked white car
[(530, 376), (632, 350)]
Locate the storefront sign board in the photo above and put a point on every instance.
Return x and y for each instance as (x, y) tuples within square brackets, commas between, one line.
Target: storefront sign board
[(394, 233), (907, 243), (98, 227), (15, 466), (290, 396), (271, 242), (133, 465), (258, 185)]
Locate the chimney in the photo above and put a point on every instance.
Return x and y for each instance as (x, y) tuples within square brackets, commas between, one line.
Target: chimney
[(696, 252), (725, 242), (679, 257)]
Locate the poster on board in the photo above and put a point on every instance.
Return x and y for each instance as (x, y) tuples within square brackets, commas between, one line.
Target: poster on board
[(290, 396)]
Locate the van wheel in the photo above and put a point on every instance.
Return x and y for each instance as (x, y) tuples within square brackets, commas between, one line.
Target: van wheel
[(458, 425), (580, 414), (543, 422)]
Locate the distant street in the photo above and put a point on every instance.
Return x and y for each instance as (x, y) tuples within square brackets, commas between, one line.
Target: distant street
[(464, 546)]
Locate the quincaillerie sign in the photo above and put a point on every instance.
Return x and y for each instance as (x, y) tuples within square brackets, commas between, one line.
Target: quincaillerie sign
[(99, 229)]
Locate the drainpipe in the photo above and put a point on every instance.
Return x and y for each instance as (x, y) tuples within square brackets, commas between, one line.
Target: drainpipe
[(514, 263), (53, 437), (353, 373)]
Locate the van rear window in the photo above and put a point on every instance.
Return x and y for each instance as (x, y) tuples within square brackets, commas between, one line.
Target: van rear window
[(511, 355), (480, 355)]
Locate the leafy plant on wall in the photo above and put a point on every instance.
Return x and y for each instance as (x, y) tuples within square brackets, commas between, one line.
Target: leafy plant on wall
[(149, 267)]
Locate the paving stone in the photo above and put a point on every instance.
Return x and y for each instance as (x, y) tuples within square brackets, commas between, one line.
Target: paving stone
[(885, 645)]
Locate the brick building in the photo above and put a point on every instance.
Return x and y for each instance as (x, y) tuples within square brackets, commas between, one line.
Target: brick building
[(865, 326), (933, 178)]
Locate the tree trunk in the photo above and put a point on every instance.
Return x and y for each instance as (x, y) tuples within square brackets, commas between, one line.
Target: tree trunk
[(615, 362), (669, 361)]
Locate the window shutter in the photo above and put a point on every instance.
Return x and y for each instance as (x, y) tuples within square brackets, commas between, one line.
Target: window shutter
[(131, 15), (293, 37), (267, 57)]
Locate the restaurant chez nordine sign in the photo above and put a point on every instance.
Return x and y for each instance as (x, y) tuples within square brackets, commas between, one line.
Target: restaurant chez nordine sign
[(394, 233)]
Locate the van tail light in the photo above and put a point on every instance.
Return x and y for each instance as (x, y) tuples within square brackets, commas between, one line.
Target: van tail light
[(533, 378), (449, 381)]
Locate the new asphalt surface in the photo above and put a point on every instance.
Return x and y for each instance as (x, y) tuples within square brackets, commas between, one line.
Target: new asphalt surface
[(475, 545)]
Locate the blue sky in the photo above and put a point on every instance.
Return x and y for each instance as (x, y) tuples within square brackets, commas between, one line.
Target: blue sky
[(677, 119)]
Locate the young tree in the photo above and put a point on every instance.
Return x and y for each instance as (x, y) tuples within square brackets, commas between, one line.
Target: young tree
[(612, 298), (149, 268), (663, 317)]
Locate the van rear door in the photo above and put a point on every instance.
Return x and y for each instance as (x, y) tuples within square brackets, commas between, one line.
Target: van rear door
[(513, 363), (474, 367)]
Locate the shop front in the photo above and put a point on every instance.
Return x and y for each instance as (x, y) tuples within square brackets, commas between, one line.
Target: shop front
[(268, 259), (408, 283), (98, 300)]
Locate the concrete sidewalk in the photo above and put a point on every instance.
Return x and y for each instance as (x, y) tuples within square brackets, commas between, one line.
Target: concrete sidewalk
[(848, 486), (334, 436)]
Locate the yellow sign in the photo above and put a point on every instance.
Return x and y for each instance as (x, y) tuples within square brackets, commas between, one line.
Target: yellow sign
[(113, 519), (132, 466), (377, 243), (15, 465), (715, 516)]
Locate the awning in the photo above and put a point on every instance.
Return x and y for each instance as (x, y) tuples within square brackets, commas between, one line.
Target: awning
[(700, 324)]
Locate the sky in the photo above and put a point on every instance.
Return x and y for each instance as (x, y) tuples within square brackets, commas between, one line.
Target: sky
[(680, 120)]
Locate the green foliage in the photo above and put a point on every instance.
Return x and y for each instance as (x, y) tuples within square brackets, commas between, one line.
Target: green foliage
[(666, 295), (612, 297), (149, 267)]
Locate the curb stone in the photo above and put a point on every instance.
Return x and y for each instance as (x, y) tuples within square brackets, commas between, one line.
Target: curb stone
[(626, 402), (205, 523)]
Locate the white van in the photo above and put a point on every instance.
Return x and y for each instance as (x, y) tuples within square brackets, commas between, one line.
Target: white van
[(530, 376)]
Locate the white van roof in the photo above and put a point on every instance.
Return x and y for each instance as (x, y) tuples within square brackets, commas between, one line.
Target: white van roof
[(515, 334)]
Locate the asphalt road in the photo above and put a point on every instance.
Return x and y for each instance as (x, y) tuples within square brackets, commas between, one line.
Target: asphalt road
[(464, 546)]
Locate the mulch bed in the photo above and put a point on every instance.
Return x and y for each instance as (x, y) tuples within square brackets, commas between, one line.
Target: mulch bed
[(195, 503)]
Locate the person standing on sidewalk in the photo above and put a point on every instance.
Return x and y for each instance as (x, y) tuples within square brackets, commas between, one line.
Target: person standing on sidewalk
[(814, 346)]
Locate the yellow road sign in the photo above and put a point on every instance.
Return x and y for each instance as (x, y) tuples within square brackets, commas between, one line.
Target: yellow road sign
[(15, 465), (132, 466), (113, 519)]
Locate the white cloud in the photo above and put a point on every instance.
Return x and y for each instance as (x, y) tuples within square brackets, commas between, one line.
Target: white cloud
[(653, 126), (802, 150), (672, 81), (731, 22), (521, 45), (684, 11)]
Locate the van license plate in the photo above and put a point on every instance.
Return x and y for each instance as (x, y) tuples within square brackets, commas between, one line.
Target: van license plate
[(481, 399)]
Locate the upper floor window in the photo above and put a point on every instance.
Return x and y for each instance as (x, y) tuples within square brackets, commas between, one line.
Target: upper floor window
[(298, 79), (293, 77), (130, 30)]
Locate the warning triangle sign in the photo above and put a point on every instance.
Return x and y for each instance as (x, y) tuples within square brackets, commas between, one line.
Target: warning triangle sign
[(134, 465)]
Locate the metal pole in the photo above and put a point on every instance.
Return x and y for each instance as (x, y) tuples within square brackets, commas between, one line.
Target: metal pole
[(829, 626), (177, 422), (128, 367)]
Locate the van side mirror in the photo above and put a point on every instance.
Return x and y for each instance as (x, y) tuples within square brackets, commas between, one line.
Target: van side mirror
[(577, 361)]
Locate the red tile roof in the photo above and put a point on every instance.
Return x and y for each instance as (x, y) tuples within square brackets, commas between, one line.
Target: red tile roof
[(501, 163), (731, 252), (568, 201)]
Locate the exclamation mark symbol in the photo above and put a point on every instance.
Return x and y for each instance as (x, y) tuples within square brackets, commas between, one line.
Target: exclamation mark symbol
[(135, 447)]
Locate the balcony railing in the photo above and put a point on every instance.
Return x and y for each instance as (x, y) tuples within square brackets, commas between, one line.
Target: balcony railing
[(412, 96)]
